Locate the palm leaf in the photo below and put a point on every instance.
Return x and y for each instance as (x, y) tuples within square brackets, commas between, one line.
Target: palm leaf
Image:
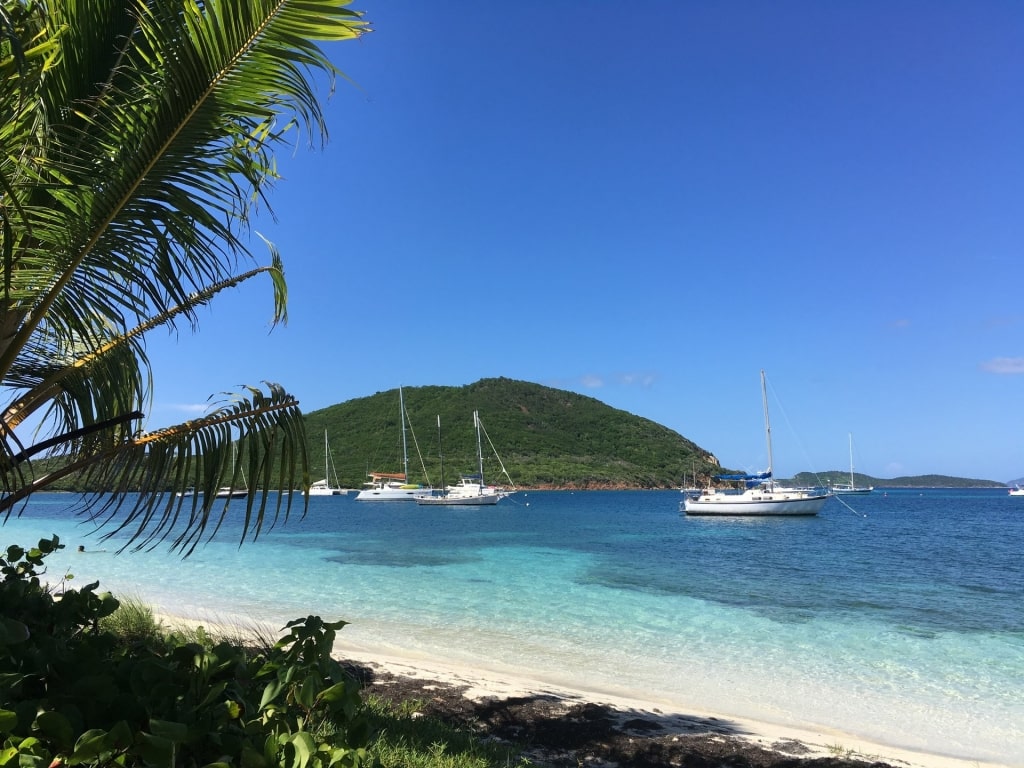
[(136, 136)]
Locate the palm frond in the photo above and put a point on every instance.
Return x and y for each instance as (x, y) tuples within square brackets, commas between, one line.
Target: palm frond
[(135, 138), (256, 439), (180, 135)]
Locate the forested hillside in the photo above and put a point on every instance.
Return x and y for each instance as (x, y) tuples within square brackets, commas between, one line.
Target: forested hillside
[(545, 437)]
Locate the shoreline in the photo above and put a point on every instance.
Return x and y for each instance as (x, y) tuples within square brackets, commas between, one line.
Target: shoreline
[(673, 719)]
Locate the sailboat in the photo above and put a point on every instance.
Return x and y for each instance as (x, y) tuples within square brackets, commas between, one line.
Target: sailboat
[(230, 491), (394, 486), (851, 487), (759, 496), (324, 487), (691, 490), (471, 491)]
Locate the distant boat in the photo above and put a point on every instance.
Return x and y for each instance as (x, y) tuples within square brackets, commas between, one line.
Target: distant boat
[(225, 492), (394, 486), (691, 490), (758, 496), (1017, 491), (851, 487), (230, 491), (324, 487), (471, 491)]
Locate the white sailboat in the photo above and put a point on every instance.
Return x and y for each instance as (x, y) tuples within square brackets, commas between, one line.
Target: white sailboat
[(324, 487), (759, 496), (471, 490), (394, 486), (851, 487), (691, 490), (230, 491)]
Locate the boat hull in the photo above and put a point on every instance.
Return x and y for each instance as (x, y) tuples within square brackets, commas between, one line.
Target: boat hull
[(766, 504), (459, 501), (391, 494), (229, 493), (323, 488)]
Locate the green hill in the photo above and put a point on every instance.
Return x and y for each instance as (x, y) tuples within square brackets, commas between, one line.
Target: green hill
[(546, 438)]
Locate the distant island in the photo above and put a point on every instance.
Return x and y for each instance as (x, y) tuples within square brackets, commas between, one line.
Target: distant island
[(915, 481)]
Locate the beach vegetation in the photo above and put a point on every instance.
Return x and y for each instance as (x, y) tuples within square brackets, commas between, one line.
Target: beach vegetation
[(136, 140), (133, 621), (74, 690), (406, 738)]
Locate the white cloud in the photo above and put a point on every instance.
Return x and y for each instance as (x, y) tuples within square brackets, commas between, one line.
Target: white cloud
[(1011, 365), (644, 380), (597, 380)]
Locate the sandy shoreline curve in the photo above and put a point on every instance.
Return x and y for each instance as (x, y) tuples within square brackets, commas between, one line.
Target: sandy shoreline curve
[(675, 717)]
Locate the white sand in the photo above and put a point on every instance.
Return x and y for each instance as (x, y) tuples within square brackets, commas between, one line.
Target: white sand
[(674, 717)]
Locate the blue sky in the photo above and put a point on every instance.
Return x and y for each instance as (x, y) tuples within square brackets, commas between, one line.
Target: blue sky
[(648, 204)]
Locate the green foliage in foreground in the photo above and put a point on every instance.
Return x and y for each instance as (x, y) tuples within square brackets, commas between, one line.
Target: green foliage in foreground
[(74, 693)]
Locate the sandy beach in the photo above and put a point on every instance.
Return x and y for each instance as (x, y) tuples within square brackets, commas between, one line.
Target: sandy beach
[(805, 743), (672, 720)]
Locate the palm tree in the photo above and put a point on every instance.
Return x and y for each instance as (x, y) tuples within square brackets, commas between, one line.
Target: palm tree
[(136, 136)]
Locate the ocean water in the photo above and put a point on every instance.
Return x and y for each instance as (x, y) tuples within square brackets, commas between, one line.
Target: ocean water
[(897, 616)]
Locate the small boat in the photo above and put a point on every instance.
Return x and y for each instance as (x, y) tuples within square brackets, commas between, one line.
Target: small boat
[(394, 486), (851, 487), (471, 491), (231, 493), (1017, 491), (691, 490), (758, 495), (324, 487)]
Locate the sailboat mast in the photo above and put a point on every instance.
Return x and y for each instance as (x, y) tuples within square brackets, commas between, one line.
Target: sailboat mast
[(767, 431), (440, 453), (405, 450), (479, 449), (851, 461)]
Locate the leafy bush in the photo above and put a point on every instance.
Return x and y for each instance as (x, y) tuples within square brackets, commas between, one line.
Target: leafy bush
[(74, 693)]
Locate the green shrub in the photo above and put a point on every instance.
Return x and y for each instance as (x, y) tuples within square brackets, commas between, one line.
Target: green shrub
[(133, 622), (73, 692)]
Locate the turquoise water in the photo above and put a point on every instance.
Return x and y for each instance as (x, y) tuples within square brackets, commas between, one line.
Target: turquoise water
[(900, 620)]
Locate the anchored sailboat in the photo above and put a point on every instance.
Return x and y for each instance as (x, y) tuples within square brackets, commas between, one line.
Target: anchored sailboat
[(394, 486), (851, 487), (759, 496), (471, 490), (324, 487)]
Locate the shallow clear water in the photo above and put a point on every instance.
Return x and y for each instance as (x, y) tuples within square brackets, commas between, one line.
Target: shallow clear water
[(900, 620)]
